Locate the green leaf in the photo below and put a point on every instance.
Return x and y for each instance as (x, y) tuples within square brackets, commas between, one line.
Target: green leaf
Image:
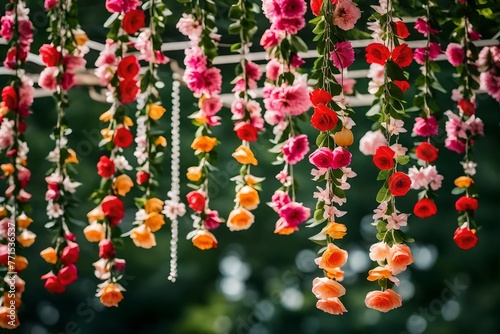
[(383, 194), (458, 191), (235, 47), (383, 175), (299, 44), (321, 139), (318, 215), (403, 160)]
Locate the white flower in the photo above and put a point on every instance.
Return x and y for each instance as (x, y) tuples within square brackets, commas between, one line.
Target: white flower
[(121, 163), (141, 215), (173, 209), (323, 195), (395, 126), (70, 186), (395, 221), (380, 211), (469, 167), (54, 210)]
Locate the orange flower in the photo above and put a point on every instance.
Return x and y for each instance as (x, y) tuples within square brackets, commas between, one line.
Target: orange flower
[(344, 137), (123, 184), (107, 115), (110, 294), (332, 258), (379, 251), (253, 180), (142, 237), (331, 305), (283, 230), (325, 288), (95, 214), (161, 141), (49, 255), (245, 156), (240, 219), (26, 238), (3, 212), (80, 37), (107, 134), (248, 198), (72, 158), (383, 301), (20, 263), (204, 144), (94, 232), (7, 169), (194, 173), (127, 121), (6, 321), (463, 182), (335, 230), (335, 273), (399, 258), (154, 221), (155, 111), (204, 240), (379, 273), (24, 221), (153, 205)]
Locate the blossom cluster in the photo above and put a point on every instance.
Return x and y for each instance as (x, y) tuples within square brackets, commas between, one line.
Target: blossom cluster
[(488, 63)]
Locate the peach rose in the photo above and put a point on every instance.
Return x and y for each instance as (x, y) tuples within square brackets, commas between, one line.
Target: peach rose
[(332, 258), (194, 173), (379, 251), (20, 263), (161, 141), (204, 144), (155, 111), (240, 219), (49, 255), (204, 240), (463, 182), (94, 232), (335, 230), (248, 198), (335, 273), (383, 301), (123, 184), (325, 288), (95, 214), (142, 237), (155, 221), (72, 158), (23, 221), (331, 305), (245, 156), (26, 238), (153, 205), (110, 294), (379, 273), (399, 258), (101, 269)]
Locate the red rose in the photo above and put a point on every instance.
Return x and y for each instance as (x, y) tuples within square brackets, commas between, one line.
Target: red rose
[(70, 236), (128, 90), (113, 208), (384, 158), (67, 275), (133, 21), (320, 96), (465, 238), (467, 107), (106, 249), (123, 137), (9, 98), (399, 184), (4, 255), (465, 203), (105, 167), (377, 53), (70, 253), (246, 132), (142, 177), (426, 152), (128, 67), (52, 284), (425, 208), (316, 6), (402, 84), (402, 55), (324, 118), (120, 264), (196, 201), (401, 29), (49, 55)]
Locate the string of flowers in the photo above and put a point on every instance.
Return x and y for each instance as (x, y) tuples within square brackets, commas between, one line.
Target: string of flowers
[(118, 72), (488, 63), (286, 100), (390, 253), (62, 58), (464, 128), (331, 158), (204, 80), (150, 143), (246, 114), (426, 178), (17, 98)]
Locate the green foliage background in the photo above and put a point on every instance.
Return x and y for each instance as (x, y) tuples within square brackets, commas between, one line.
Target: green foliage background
[(273, 273)]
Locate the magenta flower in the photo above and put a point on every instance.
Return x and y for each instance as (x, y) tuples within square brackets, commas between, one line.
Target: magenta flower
[(341, 158), (455, 54), (322, 158), (295, 149), (425, 127), (424, 28), (294, 214), (343, 55)]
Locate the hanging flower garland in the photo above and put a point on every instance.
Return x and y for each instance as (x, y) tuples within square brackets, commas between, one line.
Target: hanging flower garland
[(392, 56), (204, 80), (246, 114), (17, 98), (118, 72), (488, 63), (286, 100), (331, 158), (63, 57), (464, 128), (426, 178)]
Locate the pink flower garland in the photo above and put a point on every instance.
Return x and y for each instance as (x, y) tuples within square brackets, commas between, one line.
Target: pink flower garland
[(488, 64), (286, 98), (17, 98)]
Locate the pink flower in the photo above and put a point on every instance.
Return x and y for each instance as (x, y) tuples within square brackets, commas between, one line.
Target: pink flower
[(322, 158), (347, 84), (26, 92), (294, 214), (295, 149), (189, 27), (49, 4), (67, 81), (325, 287), (331, 305), (270, 38), (346, 14), (455, 54), (424, 28), (491, 84), (213, 81), (273, 69), (238, 109), (47, 79), (341, 158), (425, 127), (372, 140), (211, 105), (195, 60), (117, 6), (26, 33), (279, 199), (212, 220), (73, 63), (271, 9), (454, 144), (7, 25), (343, 55), (296, 61), (379, 251), (290, 25), (289, 100), (252, 70), (432, 52), (292, 8)]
